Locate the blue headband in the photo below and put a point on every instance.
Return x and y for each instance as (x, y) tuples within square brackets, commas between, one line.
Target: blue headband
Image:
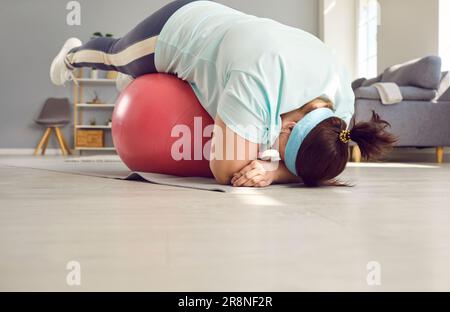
[(299, 134)]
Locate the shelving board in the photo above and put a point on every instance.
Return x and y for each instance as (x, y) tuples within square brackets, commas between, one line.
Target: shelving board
[(95, 148), (96, 81), (92, 127), (85, 105)]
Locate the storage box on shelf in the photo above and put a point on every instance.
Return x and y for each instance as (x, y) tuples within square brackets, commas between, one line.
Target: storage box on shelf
[(90, 139)]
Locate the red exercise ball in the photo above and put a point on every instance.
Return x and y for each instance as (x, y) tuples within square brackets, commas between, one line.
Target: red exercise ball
[(159, 126)]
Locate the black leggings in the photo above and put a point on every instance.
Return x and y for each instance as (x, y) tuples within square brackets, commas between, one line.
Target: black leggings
[(134, 54)]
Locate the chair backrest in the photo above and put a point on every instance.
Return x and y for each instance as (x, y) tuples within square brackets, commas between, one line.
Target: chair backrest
[(57, 109)]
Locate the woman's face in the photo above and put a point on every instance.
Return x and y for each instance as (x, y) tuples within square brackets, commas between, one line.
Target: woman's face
[(284, 137), (288, 124)]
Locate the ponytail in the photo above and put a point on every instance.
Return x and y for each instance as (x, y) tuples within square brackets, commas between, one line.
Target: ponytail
[(372, 138), (324, 152)]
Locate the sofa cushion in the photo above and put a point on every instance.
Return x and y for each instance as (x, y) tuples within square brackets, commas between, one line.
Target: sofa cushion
[(422, 73), (408, 93), (371, 81), (368, 93)]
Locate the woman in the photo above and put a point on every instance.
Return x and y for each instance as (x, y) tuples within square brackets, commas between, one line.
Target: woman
[(272, 86)]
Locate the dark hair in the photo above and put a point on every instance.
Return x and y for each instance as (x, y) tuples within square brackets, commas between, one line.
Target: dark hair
[(323, 156)]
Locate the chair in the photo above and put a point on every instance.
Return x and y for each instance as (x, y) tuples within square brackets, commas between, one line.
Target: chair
[(54, 114)]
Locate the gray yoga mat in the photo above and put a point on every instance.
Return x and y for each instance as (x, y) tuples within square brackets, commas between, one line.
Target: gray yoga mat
[(111, 167)]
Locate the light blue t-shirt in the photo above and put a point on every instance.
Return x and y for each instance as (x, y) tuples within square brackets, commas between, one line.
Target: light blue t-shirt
[(249, 70)]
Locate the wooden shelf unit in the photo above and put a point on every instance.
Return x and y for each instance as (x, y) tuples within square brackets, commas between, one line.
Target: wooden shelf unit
[(80, 105)]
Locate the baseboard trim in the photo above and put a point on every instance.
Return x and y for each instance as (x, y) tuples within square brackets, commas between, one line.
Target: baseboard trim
[(414, 150), (28, 151), (56, 152)]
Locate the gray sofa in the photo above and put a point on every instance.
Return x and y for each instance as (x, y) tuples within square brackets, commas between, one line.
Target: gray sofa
[(422, 119)]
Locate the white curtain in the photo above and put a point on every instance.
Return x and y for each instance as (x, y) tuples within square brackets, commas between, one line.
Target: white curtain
[(367, 23)]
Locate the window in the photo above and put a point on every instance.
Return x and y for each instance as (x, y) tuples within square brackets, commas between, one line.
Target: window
[(368, 17)]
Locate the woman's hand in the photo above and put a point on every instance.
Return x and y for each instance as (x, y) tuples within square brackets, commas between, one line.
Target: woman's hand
[(256, 174)]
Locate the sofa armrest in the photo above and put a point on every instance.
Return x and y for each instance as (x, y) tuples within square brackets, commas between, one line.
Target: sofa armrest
[(444, 88), (358, 83)]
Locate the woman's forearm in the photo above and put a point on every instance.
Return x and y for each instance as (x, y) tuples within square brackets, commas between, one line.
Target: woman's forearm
[(223, 170), (283, 176)]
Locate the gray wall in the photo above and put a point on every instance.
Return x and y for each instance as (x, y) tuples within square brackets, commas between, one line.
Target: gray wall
[(337, 28), (31, 32), (409, 29)]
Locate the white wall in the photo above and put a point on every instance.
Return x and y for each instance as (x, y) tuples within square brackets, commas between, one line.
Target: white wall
[(296, 13), (444, 33), (409, 29), (31, 32), (337, 28)]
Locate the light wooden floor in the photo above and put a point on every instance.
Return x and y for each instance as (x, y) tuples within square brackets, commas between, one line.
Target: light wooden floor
[(136, 236)]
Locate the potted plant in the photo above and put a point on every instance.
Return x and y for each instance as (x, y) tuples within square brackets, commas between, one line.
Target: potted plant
[(95, 99)]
